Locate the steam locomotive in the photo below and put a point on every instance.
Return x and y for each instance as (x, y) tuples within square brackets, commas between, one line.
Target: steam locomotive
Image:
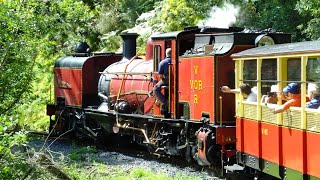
[(110, 93)]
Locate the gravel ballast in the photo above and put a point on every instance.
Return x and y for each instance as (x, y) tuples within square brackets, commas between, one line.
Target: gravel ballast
[(60, 152)]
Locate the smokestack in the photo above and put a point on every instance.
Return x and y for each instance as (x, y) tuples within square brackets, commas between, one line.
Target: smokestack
[(129, 47)]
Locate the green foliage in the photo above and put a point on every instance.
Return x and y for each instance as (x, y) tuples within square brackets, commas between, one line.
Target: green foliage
[(111, 42), (80, 153), (143, 174), (122, 14), (33, 35), (100, 171), (117, 16), (276, 14), (310, 12), (12, 162), (175, 15), (202, 7), (142, 42), (299, 17), (16, 54)]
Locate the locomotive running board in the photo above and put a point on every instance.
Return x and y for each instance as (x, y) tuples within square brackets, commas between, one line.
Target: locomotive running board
[(113, 113)]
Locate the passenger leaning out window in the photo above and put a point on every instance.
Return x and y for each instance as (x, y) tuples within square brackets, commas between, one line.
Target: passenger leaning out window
[(245, 89), (271, 97), (293, 96)]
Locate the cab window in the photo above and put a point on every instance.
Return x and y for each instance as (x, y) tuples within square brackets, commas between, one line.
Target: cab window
[(156, 57)]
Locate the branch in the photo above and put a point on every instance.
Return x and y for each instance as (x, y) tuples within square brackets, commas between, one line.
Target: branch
[(44, 160)]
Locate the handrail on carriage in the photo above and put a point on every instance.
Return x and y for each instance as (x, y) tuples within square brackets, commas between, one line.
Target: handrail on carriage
[(275, 81)]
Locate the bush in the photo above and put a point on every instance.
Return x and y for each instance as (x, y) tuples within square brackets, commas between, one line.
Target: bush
[(12, 161)]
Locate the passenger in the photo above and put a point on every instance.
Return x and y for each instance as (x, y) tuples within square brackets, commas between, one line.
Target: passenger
[(245, 90), (271, 96), (163, 73), (314, 95), (294, 98)]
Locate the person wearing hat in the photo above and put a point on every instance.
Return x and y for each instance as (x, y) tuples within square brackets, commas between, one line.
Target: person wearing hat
[(294, 98), (271, 96), (314, 95), (164, 75)]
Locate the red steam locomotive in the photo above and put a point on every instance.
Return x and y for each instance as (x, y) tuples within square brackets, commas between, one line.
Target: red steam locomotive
[(105, 93)]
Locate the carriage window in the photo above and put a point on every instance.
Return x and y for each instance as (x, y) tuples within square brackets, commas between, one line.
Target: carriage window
[(313, 69), (268, 76), (269, 69), (294, 70), (250, 72), (156, 57)]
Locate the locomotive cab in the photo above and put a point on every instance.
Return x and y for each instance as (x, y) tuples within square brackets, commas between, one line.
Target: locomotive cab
[(190, 40)]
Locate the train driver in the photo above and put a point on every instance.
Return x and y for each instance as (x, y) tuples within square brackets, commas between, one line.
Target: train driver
[(245, 89), (293, 96), (164, 75)]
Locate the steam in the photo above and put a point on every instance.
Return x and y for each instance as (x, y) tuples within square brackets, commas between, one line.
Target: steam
[(221, 17)]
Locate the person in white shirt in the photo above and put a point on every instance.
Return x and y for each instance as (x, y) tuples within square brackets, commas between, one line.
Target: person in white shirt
[(245, 90)]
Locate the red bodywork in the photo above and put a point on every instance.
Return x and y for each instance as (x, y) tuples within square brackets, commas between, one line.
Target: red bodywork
[(200, 82), (203, 142), (226, 135), (312, 153), (207, 140), (132, 86), (156, 109), (77, 82), (67, 85), (196, 85), (288, 147)]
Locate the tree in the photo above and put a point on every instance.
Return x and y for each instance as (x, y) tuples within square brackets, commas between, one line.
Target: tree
[(122, 14), (310, 12), (175, 15), (33, 34), (17, 52), (202, 7), (276, 14)]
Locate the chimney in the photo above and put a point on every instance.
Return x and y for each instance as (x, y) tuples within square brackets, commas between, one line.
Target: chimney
[(129, 47)]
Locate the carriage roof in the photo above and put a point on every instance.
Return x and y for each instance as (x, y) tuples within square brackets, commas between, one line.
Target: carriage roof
[(281, 49)]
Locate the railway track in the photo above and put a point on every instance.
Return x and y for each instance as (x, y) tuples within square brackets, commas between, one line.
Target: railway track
[(126, 154)]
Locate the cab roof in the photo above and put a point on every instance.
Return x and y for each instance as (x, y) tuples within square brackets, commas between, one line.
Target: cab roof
[(192, 30)]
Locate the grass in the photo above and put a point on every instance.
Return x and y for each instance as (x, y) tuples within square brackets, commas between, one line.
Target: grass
[(83, 163), (79, 153), (84, 166), (99, 171)]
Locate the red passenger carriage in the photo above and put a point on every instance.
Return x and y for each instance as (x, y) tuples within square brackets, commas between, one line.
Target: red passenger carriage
[(283, 145)]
